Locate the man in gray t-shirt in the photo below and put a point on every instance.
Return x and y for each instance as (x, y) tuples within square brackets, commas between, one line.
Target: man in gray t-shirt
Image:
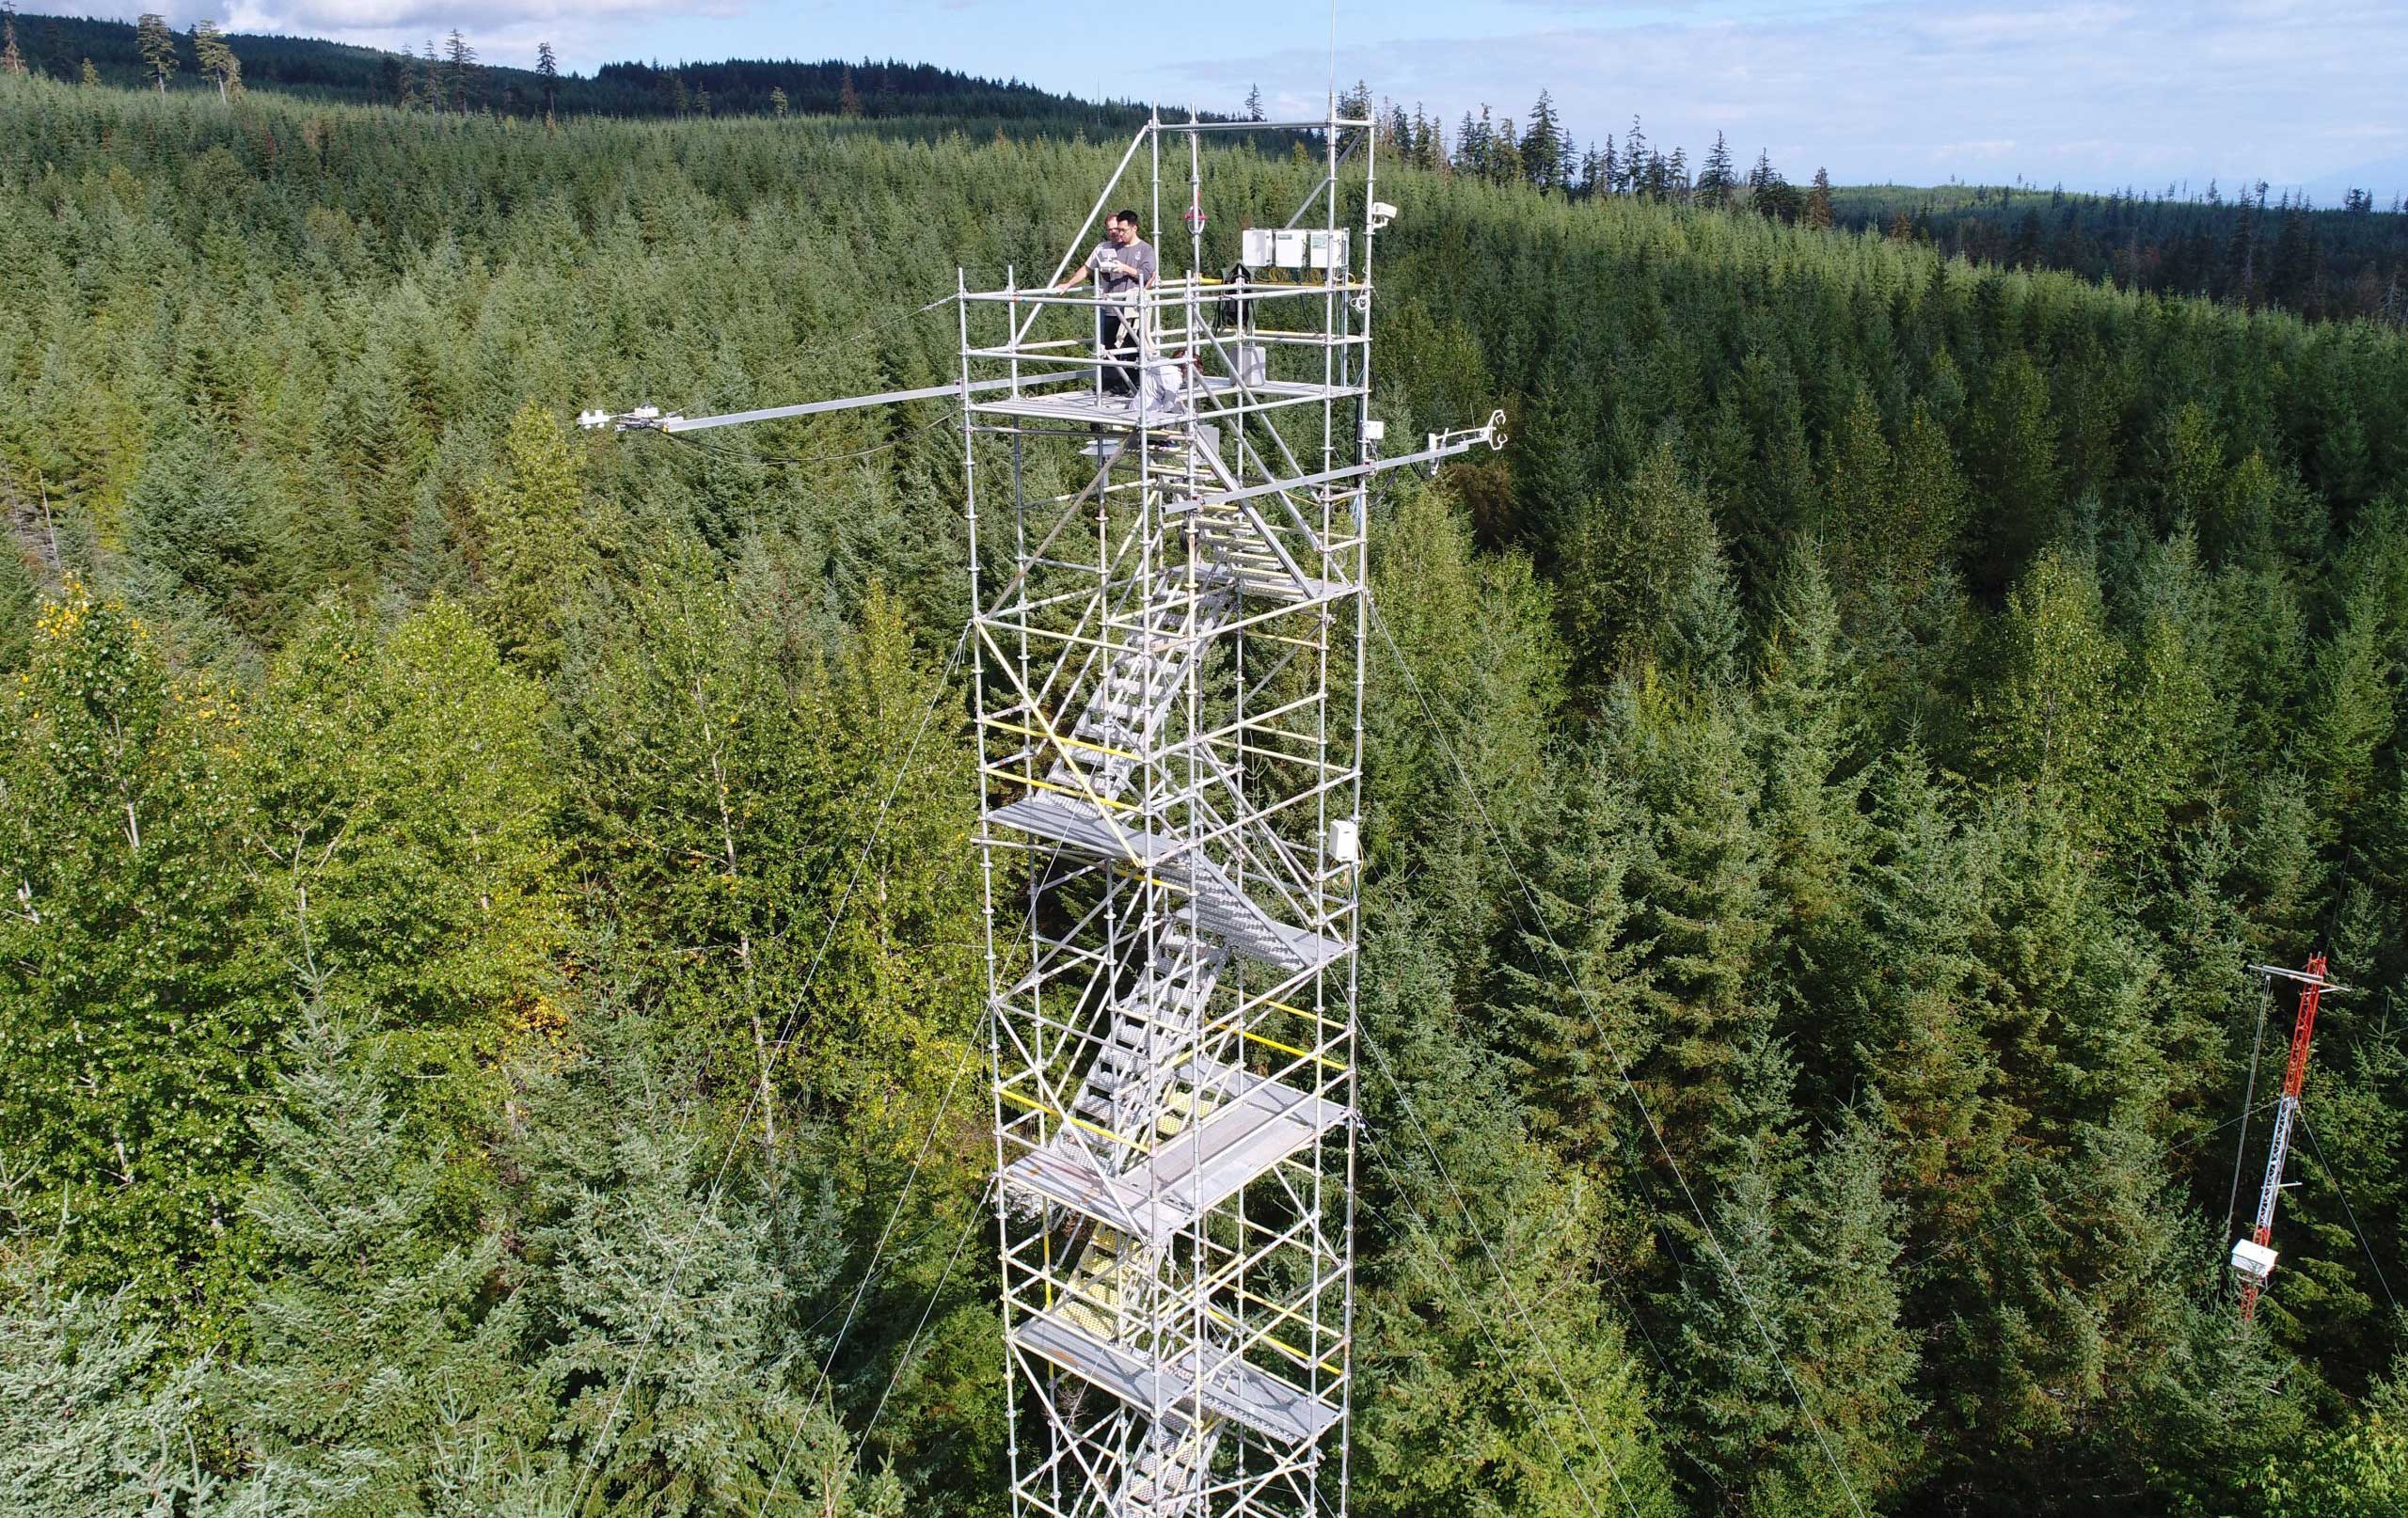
[(1122, 264)]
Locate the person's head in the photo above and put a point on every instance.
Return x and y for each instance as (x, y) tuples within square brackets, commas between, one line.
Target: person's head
[(1121, 227)]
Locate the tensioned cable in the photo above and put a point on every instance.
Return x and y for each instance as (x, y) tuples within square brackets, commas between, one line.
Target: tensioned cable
[(861, 1292), (2248, 1099), (1421, 1227), (1513, 1298), (895, 1377), (2335, 1177), (968, 1225), (1621, 1068), (2169, 1150), (719, 451), (902, 1361), (743, 1123)]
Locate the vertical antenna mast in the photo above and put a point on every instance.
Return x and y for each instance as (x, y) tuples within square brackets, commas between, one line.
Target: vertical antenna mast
[(2254, 1257), (1167, 694)]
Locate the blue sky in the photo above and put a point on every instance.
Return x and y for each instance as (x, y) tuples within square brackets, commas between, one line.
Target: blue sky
[(2093, 93)]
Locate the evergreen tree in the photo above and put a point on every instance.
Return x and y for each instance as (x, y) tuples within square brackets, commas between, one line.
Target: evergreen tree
[(1502, 1385), (538, 539), (1572, 984), (1919, 1008), (692, 1388), (20, 596), (216, 60), (1810, 820), (1818, 200), (158, 48), (1544, 147), (547, 69), (96, 1416), (1655, 588), (136, 1018), (1254, 102), (371, 1270), (460, 71), (1795, 1367), (2013, 459), (1475, 645), (1703, 914), (2050, 709), (2173, 718), (1715, 180), (2352, 716)]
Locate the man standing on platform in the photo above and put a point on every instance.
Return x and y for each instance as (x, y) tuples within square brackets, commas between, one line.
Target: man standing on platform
[(1122, 264)]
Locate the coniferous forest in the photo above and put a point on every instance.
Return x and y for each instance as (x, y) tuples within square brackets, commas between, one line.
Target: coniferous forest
[(490, 947)]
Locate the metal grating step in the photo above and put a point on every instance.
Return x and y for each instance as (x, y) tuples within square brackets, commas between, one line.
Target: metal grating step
[(1232, 1388)]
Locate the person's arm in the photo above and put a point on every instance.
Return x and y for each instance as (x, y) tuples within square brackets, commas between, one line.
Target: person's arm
[(1078, 275)]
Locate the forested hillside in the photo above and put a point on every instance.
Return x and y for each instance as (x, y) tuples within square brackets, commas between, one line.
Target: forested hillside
[(464, 1050), (2342, 262), (448, 75)]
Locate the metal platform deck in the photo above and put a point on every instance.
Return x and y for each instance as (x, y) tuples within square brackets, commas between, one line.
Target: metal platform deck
[(1193, 1172), (1233, 1390)]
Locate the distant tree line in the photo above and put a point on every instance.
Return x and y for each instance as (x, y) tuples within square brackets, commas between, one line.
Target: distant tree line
[(448, 73), (2339, 262), (2351, 261)]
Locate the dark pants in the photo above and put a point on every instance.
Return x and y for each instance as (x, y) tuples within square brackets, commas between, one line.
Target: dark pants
[(1117, 335)]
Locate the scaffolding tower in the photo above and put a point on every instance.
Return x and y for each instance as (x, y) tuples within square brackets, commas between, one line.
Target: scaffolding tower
[(1168, 686), (1169, 695)]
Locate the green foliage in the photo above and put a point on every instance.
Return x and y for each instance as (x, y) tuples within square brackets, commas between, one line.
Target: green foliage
[(688, 1381), (1495, 1378), (1878, 704), (136, 1010), (539, 546), (405, 807), (1658, 592), (2048, 713), (1798, 1266), (730, 783), (1465, 690), (365, 1275), (97, 1418)]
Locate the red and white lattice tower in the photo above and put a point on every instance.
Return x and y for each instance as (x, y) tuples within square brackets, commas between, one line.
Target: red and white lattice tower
[(2253, 1257)]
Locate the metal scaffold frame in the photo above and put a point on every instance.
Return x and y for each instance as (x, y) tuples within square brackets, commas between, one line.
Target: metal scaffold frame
[(1167, 689), (1169, 699)]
